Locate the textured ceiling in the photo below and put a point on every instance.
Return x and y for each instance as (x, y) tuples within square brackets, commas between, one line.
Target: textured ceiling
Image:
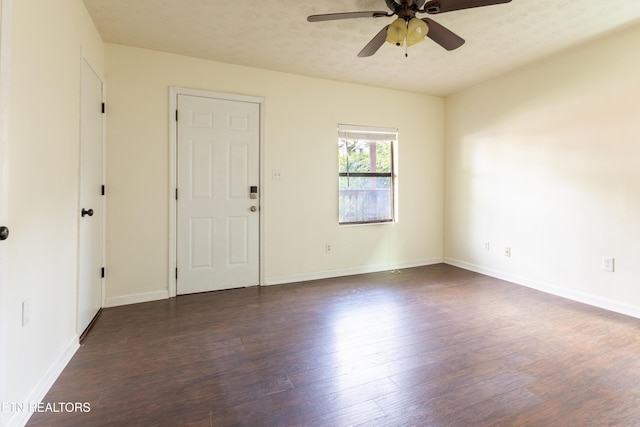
[(275, 35)]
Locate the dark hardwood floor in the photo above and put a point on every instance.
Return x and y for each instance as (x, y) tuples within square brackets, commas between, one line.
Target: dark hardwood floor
[(429, 346)]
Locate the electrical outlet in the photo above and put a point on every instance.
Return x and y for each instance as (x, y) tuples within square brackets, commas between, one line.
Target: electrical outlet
[(328, 248), (608, 264), (487, 246), (507, 251), (26, 312)]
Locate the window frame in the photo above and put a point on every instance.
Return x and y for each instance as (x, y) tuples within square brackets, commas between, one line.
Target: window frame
[(370, 133)]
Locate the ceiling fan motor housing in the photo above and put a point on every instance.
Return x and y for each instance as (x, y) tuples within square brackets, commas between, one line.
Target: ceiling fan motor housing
[(406, 9), (410, 7)]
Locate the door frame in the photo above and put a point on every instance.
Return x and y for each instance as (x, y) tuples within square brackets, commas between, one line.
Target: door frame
[(173, 171), (85, 59)]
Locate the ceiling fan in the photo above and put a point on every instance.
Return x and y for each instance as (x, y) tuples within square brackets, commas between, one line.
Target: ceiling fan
[(407, 28)]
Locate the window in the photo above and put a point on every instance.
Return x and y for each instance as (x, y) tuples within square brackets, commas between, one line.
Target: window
[(366, 174)]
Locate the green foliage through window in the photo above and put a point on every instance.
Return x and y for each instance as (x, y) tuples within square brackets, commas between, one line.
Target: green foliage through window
[(365, 164)]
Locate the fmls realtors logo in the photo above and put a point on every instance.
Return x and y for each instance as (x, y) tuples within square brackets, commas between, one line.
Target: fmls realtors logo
[(45, 407)]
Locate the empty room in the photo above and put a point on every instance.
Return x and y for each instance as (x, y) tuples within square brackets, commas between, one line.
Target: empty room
[(291, 213)]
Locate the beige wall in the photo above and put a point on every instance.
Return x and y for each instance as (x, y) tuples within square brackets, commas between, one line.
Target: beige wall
[(545, 160), (44, 109), (301, 139)]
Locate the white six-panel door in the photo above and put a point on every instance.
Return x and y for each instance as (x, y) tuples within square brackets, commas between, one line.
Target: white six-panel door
[(217, 218), (91, 239)]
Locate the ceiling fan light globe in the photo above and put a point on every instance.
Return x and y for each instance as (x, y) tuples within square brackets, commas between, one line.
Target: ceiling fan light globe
[(416, 31), (397, 32)]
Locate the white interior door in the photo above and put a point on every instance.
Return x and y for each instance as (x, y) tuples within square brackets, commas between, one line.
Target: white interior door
[(218, 145), (91, 240), (4, 100)]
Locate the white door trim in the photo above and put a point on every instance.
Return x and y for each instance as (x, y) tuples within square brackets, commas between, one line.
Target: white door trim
[(173, 169)]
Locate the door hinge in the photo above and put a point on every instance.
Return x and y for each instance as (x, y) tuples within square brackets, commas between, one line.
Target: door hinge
[(176, 115), (176, 194), (176, 273), (103, 190), (102, 272), (104, 108)]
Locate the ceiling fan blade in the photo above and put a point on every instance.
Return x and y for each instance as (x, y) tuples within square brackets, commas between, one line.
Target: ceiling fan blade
[(441, 6), (442, 35), (346, 15), (374, 44)]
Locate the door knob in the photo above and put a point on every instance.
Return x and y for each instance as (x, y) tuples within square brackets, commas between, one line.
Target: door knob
[(87, 212), (253, 208), (4, 233)]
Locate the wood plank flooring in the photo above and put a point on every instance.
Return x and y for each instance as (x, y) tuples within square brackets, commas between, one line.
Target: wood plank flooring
[(428, 346)]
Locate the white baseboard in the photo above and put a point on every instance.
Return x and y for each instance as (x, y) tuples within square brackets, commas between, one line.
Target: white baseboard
[(136, 298), (593, 300), (328, 274), (279, 280), (19, 419)]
